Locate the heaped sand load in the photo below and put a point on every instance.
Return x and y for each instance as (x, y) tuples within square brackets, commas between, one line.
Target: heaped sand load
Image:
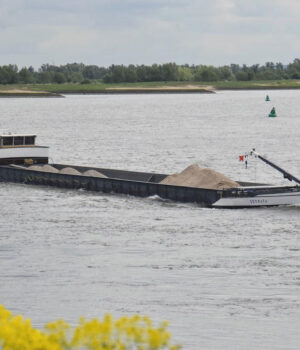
[(47, 168), (35, 167), (194, 176), (50, 169), (69, 171), (93, 173)]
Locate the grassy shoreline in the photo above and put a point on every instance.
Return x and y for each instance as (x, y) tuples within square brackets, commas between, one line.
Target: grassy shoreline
[(55, 90)]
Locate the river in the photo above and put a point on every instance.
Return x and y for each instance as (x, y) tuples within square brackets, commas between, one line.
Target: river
[(225, 279)]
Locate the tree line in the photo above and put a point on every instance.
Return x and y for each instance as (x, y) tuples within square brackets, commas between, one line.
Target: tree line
[(80, 73)]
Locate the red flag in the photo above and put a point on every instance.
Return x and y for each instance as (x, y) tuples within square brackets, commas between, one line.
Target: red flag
[(241, 158)]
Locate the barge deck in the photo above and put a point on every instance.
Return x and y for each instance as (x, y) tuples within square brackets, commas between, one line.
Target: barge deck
[(133, 183)]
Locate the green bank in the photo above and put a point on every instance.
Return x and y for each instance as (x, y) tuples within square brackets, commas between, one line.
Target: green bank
[(53, 90)]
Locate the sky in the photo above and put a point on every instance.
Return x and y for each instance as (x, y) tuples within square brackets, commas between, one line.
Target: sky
[(105, 32)]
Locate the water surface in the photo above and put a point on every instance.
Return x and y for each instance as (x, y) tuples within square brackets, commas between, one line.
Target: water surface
[(225, 279)]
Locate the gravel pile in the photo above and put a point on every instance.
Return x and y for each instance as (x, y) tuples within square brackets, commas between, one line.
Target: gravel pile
[(93, 173), (50, 169), (47, 168), (194, 176), (69, 171), (35, 167)]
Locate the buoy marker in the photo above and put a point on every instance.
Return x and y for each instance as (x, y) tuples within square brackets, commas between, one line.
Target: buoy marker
[(273, 114)]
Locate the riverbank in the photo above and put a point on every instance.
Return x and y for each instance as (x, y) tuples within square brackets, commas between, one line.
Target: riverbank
[(27, 93), (56, 90), (165, 90)]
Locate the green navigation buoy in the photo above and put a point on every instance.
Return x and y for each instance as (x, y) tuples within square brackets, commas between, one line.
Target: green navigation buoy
[(268, 98), (272, 114)]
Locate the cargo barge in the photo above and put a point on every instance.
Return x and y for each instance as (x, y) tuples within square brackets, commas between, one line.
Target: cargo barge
[(19, 155)]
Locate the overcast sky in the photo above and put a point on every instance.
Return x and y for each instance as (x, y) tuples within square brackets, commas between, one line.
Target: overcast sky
[(105, 32)]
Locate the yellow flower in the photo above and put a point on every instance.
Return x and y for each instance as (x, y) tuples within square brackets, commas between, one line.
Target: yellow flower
[(134, 333)]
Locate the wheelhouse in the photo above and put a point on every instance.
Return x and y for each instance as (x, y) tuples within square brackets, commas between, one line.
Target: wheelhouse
[(21, 149), (17, 140)]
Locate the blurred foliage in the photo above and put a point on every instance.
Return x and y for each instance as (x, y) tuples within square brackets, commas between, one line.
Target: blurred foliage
[(134, 333)]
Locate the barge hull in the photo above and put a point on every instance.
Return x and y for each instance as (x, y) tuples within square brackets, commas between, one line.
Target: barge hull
[(118, 181)]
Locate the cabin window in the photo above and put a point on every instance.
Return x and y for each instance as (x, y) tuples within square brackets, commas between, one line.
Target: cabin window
[(29, 140), (7, 141), (18, 140)]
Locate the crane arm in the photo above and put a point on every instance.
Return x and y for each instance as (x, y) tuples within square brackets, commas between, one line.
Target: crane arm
[(286, 174)]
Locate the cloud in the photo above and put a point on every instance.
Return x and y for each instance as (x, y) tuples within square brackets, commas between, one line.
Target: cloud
[(65, 38), (146, 31)]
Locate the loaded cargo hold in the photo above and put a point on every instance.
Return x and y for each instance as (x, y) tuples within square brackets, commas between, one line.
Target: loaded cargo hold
[(206, 187)]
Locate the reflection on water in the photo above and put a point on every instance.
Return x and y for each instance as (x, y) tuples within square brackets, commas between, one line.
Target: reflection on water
[(224, 279)]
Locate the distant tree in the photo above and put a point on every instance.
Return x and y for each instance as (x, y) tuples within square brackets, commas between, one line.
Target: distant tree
[(242, 76), (255, 68), (144, 73), (130, 75), (170, 72), (293, 73), (49, 68), (9, 74), (58, 78), (293, 69), (73, 67), (44, 77), (108, 78), (156, 72), (118, 73), (268, 74), (279, 67), (206, 73), (185, 73), (270, 66), (225, 73), (244, 68), (93, 72), (197, 71), (76, 77), (25, 76), (78, 72), (235, 68), (210, 74)]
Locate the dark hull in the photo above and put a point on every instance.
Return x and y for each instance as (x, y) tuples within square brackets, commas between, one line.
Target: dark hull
[(22, 160), (118, 181)]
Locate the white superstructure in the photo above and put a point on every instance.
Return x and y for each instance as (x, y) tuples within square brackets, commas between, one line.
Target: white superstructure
[(21, 149), (273, 198)]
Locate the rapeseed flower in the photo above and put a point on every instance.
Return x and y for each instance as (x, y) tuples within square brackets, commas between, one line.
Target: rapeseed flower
[(126, 333)]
